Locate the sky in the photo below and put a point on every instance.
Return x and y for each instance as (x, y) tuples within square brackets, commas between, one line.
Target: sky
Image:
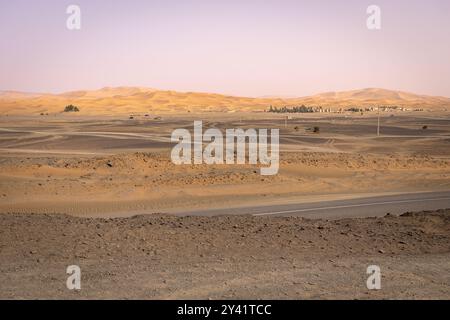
[(240, 47)]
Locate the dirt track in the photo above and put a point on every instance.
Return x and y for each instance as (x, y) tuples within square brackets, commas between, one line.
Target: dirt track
[(160, 257)]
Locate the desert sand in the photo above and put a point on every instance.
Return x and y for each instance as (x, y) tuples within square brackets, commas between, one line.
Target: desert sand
[(132, 100), (227, 257), (118, 167), (101, 192)]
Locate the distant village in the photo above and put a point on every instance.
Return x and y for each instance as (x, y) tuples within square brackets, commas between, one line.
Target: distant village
[(319, 109)]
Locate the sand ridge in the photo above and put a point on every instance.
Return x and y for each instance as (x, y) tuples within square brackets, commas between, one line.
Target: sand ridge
[(129, 100), (150, 181)]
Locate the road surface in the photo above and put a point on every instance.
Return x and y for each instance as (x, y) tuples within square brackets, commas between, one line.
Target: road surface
[(336, 209)]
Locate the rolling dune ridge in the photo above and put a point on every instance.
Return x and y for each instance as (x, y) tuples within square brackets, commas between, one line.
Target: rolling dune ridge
[(127, 100)]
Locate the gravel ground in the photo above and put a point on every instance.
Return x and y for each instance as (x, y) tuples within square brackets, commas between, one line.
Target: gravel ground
[(226, 257)]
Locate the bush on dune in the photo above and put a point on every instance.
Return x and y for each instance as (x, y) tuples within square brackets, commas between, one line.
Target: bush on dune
[(71, 108)]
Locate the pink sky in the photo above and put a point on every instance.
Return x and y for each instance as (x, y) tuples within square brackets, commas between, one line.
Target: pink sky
[(249, 48)]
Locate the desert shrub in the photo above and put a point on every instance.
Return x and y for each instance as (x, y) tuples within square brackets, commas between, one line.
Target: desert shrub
[(316, 129), (296, 109), (424, 127), (71, 108), (353, 109)]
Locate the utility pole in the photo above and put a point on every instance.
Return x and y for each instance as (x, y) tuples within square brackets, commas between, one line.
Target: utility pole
[(378, 127)]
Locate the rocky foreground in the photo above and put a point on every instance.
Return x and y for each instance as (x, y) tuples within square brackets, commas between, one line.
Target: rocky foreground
[(227, 257)]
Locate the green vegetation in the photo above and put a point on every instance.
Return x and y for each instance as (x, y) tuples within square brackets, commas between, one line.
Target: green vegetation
[(300, 109), (71, 108), (353, 109)]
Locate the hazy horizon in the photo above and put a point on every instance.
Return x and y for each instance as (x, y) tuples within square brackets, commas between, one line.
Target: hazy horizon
[(218, 93), (248, 49)]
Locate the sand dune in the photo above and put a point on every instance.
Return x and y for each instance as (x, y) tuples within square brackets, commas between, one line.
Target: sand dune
[(127, 100), (103, 169), (112, 185), (101, 166)]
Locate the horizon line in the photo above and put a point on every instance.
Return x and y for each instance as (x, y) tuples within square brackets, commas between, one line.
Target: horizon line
[(268, 96)]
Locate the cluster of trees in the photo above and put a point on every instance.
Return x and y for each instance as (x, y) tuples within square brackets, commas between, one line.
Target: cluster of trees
[(383, 108), (300, 109), (353, 109), (71, 108)]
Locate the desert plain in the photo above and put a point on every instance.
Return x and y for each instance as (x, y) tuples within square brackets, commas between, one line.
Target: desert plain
[(100, 191)]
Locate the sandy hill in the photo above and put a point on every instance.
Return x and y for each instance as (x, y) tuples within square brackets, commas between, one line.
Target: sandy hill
[(375, 96), (128, 100)]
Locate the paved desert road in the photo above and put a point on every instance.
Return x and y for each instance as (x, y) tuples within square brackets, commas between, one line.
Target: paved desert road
[(360, 207)]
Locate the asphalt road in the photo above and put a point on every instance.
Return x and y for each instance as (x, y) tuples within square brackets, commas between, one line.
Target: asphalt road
[(360, 207)]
